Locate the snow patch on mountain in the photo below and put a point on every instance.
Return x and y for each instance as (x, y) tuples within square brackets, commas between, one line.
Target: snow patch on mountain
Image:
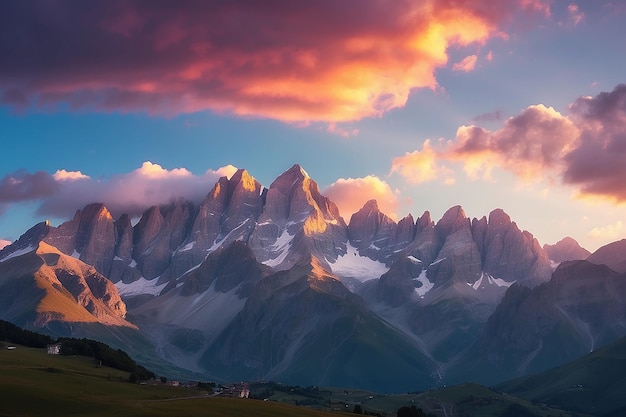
[(18, 252), (487, 280), (187, 247), (282, 246), (361, 268), (75, 254), (140, 287), (426, 284)]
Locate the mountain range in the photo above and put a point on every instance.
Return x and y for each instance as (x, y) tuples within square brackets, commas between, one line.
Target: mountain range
[(272, 283)]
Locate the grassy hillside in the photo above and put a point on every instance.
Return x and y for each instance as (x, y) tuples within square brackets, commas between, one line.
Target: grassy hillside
[(596, 383), (34, 383), (466, 400)]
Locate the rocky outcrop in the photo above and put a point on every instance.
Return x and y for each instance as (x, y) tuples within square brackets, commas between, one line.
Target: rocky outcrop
[(90, 236), (566, 249), (297, 222), (509, 253), (371, 231), (45, 285), (158, 234)]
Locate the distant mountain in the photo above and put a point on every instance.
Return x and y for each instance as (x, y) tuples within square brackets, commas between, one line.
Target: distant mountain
[(566, 249), (258, 282), (612, 255), (593, 384), (581, 309)]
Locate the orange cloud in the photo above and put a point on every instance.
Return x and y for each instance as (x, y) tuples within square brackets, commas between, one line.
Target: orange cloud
[(467, 64), (305, 61), (63, 175), (351, 194), (422, 166)]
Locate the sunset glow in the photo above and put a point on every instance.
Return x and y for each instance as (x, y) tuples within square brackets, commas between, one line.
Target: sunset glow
[(420, 105)]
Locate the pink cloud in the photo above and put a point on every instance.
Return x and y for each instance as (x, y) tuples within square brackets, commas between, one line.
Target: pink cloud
[(467, 64), (584, 148), (23, 186), (575, 15), (326, 61), (422, 166), (4, 243), (64, 192), (351, 194), (528, 145)]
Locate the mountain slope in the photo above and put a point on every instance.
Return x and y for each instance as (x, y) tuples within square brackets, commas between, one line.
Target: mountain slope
[(582, 308), (593, 384), (303, 326), (39, 284), (612, 255)]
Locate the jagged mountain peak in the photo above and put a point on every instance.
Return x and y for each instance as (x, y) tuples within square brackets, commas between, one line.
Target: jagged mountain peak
[(453, 219), (27, 242), (96, 212), (499, 217), (566, 249), (244, 180)]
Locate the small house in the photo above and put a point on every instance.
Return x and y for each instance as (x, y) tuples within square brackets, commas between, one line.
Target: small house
[(54, 349)]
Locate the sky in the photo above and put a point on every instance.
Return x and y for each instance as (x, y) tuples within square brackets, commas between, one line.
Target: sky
[(421, 105)]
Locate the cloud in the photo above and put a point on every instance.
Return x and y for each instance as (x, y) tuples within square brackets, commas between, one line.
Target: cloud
[(575, 15), (488, 117), (467, 64), (4, 243), (597, 166), (62, 193), (584, 148), (422, 166), (326, 60), (23, 186), (609, 232), (63, 175), (529, 144), (351, 194)]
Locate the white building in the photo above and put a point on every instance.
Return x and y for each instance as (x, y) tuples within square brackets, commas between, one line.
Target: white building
[(54, 349)]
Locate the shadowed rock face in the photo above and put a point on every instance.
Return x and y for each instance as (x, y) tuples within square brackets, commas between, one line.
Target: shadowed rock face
[(580, 309), (612, 255), (567, 249)]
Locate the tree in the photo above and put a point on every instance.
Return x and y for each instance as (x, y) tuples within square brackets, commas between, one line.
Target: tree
[(411, 411), (357, 409)]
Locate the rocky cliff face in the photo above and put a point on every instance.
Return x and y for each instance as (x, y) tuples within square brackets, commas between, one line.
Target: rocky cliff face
[(297, 222), (580, 309), (566, 249), (43, 285)]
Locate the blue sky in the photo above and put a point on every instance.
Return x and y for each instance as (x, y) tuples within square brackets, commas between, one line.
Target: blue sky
[(371, 107)]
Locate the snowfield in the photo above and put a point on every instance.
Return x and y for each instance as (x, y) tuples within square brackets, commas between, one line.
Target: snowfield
[(361, 268), (139, 287)]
